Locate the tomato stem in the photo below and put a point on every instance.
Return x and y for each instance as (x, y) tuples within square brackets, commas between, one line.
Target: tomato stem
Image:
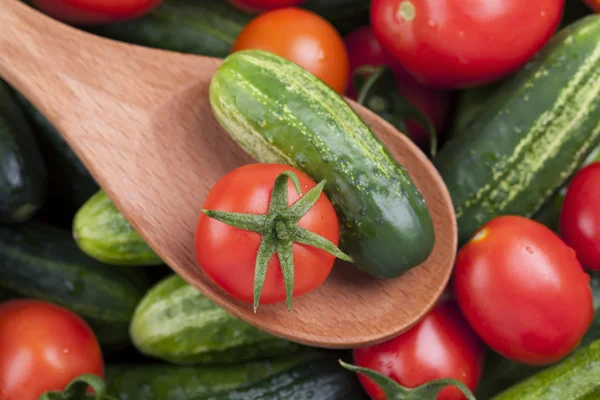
[(280, 230), (77, 390)]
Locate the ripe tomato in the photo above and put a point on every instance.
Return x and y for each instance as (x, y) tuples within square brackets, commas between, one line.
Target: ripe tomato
[(593, 4), (90, 12), (364, 49), (523, 291), (303, 37), (441, 345), (228, 255), (43, 347), (461, 43), (580, 216), (264, 5)]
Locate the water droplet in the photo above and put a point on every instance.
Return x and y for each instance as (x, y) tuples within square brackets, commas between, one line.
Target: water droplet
[(66, 351), (363, 211), (321, 55), (461, 34), (543, 13), (432, 23), (529, 250)]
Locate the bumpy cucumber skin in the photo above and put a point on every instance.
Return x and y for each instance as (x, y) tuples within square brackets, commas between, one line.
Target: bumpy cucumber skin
[(279, 113), (40, 261), (103, 233), (532, 135), (176, 323), (574, 378), (23, 175)]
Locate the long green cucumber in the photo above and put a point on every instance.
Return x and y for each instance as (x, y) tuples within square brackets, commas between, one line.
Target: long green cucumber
[(575, 378), (43, 262), (177, 323), (171, 382), (280, 113), (23, 175), (103, 233), (532, 135)]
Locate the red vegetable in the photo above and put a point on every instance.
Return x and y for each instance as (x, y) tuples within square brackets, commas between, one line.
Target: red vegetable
[(302, 37), (461, 43), (264, 5), (580, 216), (441, 345), (90, 12), (43, 347), (523, 291)]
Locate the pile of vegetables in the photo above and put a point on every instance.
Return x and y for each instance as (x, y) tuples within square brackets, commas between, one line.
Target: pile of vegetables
[(503, 96)]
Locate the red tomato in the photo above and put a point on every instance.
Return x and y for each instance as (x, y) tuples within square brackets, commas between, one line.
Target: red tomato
[(364, 49), (228, 255), (593, 4), (43, 347), (91, 12), (580, 216), (264, 5), (441, 345), (523, 291), (303, 37), (461, 43)]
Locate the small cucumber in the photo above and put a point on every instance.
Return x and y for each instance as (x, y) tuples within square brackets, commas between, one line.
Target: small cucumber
[(176, 323), (103, 233)]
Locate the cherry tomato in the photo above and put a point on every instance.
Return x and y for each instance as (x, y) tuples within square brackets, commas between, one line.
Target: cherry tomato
[(91, 12), (580, 216), (43, 347), (228, 255), (523, 291), (303, 37), (461, 43), (593, 4), (264, 5), (441, 345)]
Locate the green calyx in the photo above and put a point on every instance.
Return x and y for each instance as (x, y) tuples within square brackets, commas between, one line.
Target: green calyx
[(394, 391), (280, 230), (77, 390)]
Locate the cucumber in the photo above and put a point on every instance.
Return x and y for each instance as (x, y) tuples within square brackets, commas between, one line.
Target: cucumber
[(280, 113), (345, 15), (23, 175), (176, 323), (322, 379), (574, 378), (43, 262), (532, 135), (170, 382), (204, 27), (103, 233)]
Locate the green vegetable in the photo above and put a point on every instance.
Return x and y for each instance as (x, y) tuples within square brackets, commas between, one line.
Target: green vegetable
[(532, 135), (23, 175), (345, 15), (574, 378), (170, 382), (176, 323), (280, 113), (321, 379), (43, 262), (204, 27), (103, 233)]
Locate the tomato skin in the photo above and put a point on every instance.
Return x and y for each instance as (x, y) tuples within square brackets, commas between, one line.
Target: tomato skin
[(580, 216), (523, 291), (364, 49), (92, 12), (441, 345), (593, 4), (228, 255), (43, 347), (264, 5), (463, 43), (302, 37)]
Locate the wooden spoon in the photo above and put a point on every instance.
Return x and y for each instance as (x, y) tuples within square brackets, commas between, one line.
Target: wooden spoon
[(141, 121)]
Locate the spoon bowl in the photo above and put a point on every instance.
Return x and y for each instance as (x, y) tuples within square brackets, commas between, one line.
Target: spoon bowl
[(141, 121)]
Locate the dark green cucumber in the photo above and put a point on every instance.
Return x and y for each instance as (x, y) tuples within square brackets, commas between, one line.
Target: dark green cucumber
[(171, 382), (23, 175), (280, 113), (574, 378), (204, 27), (322, 379), (103, 233), (40, 261), (177, 323), (532, 135)]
